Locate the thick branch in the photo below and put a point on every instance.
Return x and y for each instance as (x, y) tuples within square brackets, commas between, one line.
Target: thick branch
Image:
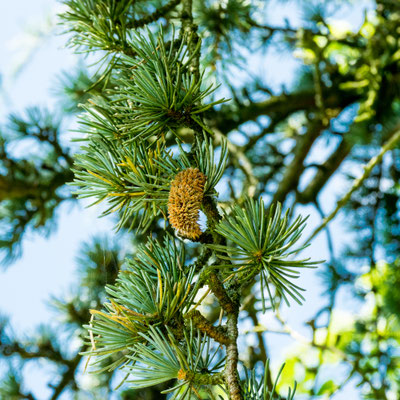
[(11, 189), (190, 29), (218, 333), (324, 172), (45, 350), (220, 293), (277, 107), (227, 120), (390, 144), (67, 378), (230, 305), (232, 357), (294, 170), (160, 12), (201, 379)]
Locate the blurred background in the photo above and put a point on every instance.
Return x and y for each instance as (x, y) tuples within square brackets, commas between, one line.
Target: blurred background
[(57, 255)]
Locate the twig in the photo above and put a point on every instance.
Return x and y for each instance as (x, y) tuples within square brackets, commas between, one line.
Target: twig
[(325, 171), (232, 357), (294, 170), (390, 144), (160, 12), (218, 333), (230, 304)]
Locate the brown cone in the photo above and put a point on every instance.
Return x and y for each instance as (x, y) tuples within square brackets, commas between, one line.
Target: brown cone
[(184, 202)]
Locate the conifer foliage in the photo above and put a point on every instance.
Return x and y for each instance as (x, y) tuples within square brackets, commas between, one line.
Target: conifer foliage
[(148, 152), (186, 302)]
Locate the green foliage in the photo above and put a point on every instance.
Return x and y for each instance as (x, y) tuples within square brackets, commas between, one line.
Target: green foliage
[(152, 290), (162, 360), (30, 182), (391, 279), (78, 86), (148, 116), (156, 94), (108, 24), (262, 244), (255, 388), (224, 26), (98, 25), (159, 270), (135, 179), (159, 92), (10, 388), (158, 361), (127, 176), (328, 388), (119, 164)]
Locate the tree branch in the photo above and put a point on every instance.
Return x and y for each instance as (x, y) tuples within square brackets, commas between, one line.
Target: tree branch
[(160, 12), (232, 357), (67, 378), (226, 119), (230, 304), (390, 144), (325, 171), (218, 333), (220, 293), (294, 170)]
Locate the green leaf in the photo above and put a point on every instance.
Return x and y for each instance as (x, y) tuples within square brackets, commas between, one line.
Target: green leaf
[(328, 387)]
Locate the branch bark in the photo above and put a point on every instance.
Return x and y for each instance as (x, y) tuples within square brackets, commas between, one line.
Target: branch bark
[(160, 12), (226, 119), (390, 144), (293, 171), (232, 357), (218, 333), (230, 304), (325, 171)]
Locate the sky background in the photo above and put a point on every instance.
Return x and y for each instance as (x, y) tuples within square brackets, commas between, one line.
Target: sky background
[(32, 57)]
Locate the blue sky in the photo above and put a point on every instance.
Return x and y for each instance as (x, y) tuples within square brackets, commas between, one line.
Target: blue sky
[(48, 266)]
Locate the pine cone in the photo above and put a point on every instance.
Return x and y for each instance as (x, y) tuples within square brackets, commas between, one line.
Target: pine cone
[(184, 202)]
